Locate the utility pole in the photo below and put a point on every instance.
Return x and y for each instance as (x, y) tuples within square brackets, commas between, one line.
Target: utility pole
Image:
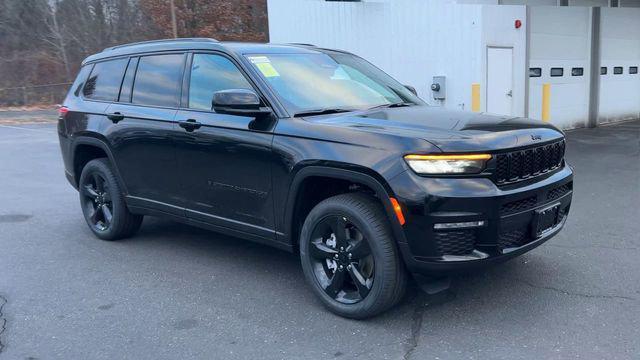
[(174, 27)]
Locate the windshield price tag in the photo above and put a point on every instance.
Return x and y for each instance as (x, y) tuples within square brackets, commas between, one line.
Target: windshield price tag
[(264, 65), (267, 69)]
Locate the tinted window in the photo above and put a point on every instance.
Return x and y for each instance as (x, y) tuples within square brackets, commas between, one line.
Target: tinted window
[(211, 73), (633, 70), (82, 76), (577, 71), (535, 72), (127, 82), (158, 80), (603, 70), (105, 79), (617, 70)]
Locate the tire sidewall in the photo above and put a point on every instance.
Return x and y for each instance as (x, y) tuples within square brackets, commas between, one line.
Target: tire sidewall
[(381, 278), (102, 167)]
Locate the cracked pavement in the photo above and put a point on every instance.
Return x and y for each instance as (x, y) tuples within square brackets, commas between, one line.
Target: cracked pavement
[(180, 292)]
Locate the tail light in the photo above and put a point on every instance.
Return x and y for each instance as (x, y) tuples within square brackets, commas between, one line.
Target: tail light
[(62, 111)]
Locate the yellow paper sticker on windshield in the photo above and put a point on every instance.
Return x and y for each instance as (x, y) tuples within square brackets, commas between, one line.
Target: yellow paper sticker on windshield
[(267, 69)]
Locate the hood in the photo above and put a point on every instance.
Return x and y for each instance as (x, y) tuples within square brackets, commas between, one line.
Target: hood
[(451, 131)]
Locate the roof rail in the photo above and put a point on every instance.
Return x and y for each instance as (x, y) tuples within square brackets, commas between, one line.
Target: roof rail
[(161, 41), (302, 44)]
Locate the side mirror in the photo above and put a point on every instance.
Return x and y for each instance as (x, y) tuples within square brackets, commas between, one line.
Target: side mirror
[(240, 102), (412, 89)]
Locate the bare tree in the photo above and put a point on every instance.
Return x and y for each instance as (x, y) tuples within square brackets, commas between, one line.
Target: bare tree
[(55, 36), (44, 41)]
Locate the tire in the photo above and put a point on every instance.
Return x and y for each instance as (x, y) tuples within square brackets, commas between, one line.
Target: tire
[(382, 283), (103, 203)]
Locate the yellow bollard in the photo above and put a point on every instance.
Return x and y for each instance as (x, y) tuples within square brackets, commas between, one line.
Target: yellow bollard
[(546, 99), (475, 97)]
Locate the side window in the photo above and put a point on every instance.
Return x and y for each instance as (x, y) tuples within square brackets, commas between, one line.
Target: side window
[(80, 80), (211, 73), (158, 79), (127, 82), (105, 79)]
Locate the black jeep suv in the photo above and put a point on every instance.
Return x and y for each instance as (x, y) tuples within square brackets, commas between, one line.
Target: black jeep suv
[(313, 151)]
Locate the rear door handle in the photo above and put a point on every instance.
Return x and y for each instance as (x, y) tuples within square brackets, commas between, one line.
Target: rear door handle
[(115, 117), (190, 124)]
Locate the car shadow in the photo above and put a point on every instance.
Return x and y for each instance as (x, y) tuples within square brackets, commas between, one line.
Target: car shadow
[(472, 292)]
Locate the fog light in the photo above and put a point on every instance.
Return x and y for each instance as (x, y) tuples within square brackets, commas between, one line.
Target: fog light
[(459, 225)]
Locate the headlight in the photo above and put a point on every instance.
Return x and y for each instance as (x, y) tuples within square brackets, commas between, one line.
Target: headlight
[(447, 164)]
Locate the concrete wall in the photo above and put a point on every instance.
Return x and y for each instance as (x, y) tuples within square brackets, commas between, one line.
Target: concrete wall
[(391, 37), (411, 40), (587, 3), (602, 3), (630, 3), (414, 40), (620, 46), (560, 38)]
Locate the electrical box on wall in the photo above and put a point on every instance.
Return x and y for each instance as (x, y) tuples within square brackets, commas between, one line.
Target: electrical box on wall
[(439, 88)]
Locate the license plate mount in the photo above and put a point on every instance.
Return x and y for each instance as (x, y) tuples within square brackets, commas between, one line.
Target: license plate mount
[(546, 219)]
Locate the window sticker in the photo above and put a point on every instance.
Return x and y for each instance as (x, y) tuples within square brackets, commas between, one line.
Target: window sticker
[(264, 65), (267, 69), (258, 59)]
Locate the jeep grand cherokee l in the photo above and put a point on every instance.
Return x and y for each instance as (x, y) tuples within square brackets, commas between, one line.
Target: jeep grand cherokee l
[(310, 150)]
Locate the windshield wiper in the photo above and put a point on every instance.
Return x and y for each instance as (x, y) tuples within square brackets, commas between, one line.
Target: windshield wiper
[(321, 112), (391, 105)]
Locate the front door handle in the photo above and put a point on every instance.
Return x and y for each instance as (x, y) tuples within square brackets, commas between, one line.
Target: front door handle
[(190, 124), (115, 117)]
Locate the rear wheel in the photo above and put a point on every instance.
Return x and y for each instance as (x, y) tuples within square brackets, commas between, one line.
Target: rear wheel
[(350, 258), (103, 204)]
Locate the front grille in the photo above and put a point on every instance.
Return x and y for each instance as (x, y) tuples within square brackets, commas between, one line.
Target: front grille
[(518, 205), (513, 238), (523, 164), (559, 192), (455, 242)]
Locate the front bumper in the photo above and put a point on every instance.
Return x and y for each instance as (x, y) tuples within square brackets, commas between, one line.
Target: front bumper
[(510, 216)]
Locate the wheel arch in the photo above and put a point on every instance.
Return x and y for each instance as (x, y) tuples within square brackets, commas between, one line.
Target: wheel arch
[(78, 158), (373, 181)]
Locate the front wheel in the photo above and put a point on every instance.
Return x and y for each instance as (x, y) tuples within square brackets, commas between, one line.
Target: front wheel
[(350, 258), (103, 204)]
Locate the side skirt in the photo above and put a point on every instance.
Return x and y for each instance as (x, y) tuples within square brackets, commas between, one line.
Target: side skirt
[(216, 228)]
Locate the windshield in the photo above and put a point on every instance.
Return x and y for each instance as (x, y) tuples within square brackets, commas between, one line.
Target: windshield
[(325, 81)]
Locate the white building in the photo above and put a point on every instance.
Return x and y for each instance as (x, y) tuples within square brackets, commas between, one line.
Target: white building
[(585, 58)]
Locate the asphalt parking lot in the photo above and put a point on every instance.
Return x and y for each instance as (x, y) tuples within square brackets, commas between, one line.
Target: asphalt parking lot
[(176, 292)]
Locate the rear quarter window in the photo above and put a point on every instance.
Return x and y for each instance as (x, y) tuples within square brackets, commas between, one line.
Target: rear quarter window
[(77, 85), (158, 80), (105, 79)]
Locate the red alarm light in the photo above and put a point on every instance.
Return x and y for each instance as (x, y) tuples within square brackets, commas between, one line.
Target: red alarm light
[(518, 24)]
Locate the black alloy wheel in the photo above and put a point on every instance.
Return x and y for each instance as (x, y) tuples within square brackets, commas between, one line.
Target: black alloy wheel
[(350, 258), (103, 203), (97, 201), (342, 260)]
